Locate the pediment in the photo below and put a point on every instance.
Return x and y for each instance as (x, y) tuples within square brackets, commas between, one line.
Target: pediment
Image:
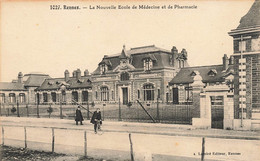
[(124, 67)]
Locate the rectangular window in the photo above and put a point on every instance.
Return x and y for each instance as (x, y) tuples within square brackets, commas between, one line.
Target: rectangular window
[(104, 94), (85, 96), (248, 45), (75, 96), (53, 97), (188, 94), (45, 97), (236, 46)]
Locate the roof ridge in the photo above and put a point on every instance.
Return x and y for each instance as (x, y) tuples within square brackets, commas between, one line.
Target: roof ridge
[(202, 66), (140, 47)]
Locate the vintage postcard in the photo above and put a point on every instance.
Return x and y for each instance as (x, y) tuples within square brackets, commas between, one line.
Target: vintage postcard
[(130, 80)]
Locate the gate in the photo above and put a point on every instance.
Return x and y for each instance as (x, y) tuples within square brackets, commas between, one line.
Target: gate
[(217, 112), (217, 116)]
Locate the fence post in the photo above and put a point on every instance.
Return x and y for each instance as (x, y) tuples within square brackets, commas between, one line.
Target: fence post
[(88, 110), (119, 110), (0, 109), (61, 117), (27, 110), (37, 105), (103, 118), (18, 113), (131, 148), (158, 114), (203, 149), (53, 137), (25, 138), (85, 144), (3, 136)]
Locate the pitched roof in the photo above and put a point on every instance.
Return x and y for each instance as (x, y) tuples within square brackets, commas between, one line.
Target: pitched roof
[(252, 18), (185, 74), (35, 79), (72, 83), (137, 55), (8, 86)]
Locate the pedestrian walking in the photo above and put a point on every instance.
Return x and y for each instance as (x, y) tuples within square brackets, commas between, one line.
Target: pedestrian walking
[(96, 120), (79, 116)]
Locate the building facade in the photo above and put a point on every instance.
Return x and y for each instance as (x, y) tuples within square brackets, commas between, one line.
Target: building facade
[(21, 90), (246, 43)]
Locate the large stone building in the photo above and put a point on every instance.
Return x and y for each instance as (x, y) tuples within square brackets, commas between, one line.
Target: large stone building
[(246, 38), (140, 73)]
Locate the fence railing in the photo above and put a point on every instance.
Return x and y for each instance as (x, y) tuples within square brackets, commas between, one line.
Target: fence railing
[(164, 113)]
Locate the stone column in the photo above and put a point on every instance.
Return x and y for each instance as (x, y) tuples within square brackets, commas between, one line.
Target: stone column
[(201, 112), (228, 111)]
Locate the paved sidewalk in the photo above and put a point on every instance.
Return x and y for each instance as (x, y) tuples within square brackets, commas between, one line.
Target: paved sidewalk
[(132, 127)]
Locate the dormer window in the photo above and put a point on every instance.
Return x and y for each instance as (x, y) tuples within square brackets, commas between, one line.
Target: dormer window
[(148, 64), (212, 72), (193, 74), (103, 68)]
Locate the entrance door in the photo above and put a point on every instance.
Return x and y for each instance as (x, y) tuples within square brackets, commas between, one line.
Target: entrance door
[(217, 112), (125, 95), (175, 95)]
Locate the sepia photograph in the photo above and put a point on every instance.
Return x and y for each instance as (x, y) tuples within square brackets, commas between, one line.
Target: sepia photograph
[(130, 80)]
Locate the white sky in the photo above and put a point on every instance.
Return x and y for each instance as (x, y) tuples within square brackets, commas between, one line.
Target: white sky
[(35, 38)]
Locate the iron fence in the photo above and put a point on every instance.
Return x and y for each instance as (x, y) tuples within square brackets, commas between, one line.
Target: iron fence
[(160, 112)]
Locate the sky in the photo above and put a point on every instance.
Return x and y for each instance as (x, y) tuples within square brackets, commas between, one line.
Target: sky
[(37, 39)]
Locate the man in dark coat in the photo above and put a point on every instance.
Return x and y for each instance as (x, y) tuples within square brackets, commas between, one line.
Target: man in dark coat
[(96, 119), (78, 116)]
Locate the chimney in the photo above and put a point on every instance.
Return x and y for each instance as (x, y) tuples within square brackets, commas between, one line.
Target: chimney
[(74, 74), (184, 54), (231, 60), (66, 75), (20, 77), (174, 50), (174, 55), (86, 72), (78, 74), (225, 62)]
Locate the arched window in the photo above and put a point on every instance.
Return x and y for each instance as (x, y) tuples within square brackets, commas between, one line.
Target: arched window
[(148, 92), (21, 97), (104, 94), (2, 98), (124, 76), (12, 98)]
